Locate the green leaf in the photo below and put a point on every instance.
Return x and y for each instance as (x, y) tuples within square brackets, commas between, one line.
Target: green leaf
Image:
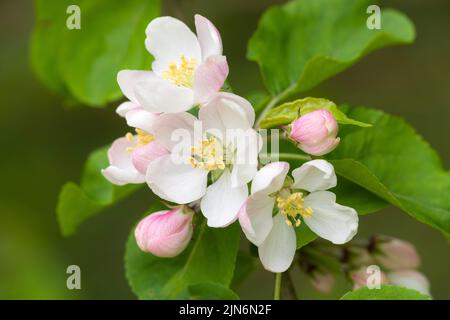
[(290, 111), (209, 258), (246, 263), (392, 161), (386, 292), (302, 43), (211, 291), (83, 64), (77, 203)]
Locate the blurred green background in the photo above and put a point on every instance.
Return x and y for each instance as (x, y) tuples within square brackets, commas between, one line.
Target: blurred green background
[(44, 144)]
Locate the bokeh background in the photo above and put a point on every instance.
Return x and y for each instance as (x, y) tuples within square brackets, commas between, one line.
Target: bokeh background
[(44, 144)]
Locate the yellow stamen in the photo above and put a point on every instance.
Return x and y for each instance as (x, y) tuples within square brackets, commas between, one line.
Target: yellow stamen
[(182, 73), (291, 205), (208, 155), (142, 138)]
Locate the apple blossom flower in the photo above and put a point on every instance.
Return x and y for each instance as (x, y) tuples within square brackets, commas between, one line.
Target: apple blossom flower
[(165, 233), (225, 148), (315, 132), (129, 156), (305, 200), (396, 254), (410, 279), (188, 69)]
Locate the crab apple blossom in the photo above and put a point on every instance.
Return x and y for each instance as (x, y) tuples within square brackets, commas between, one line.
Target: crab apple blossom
[(165, 233), (305, 200), (411, 279), (187, 70), (396, 254), (129, 156), (220, 144), (315, 132)]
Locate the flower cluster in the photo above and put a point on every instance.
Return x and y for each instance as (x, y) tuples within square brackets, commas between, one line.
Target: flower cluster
[(195, 147)]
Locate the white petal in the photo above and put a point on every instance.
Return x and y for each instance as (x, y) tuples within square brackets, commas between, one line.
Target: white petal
[(315, 175), (208, 37), (170, 129), (243, 103), (255, 218), (222, 202), (167, 40), (159, 95), (330, 220), (124, 107), (270, 178), (121, 170), (411, 279), (209, 78), (180, 183), (278, 249), (127, 80), (245, 162), (141, 118)]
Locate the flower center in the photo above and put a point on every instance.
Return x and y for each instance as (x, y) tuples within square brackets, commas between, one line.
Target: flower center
[(208, 155), (182, 73), (141, 138), (291, 205)]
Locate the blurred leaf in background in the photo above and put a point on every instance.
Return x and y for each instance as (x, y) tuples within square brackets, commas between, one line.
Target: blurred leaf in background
[(82, 64)]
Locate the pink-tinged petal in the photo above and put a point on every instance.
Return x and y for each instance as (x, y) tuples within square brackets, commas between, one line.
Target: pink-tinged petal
[(165, 233), (396, 254), (167, 40), (124, 107), (315, 175), (222, 202), (141, 119), (323, 282), (171, 129), (142, 156), (127, 80), (208, 37), (209, 78), (411, 279), (121, 170), (255, 218), (270, 178), (278, 249), (326, 146), (329, 219), (159, 95), (176, 182)]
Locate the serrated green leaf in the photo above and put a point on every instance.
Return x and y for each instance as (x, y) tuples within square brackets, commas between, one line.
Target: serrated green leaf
[(211, 291), (209, 258), (76, 203), (302, 43), (386, 292), (392, 161), (290, 111), (83, 64)]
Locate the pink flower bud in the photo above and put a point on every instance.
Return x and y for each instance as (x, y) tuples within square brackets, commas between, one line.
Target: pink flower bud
[(316, 132), (395, 254), (142, 156), (165, 233), (365, 276), (323, 282)]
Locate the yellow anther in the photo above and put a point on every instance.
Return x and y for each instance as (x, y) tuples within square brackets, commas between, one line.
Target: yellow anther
[(141, 138), (208, 156), (291, 205), (182, 73)]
